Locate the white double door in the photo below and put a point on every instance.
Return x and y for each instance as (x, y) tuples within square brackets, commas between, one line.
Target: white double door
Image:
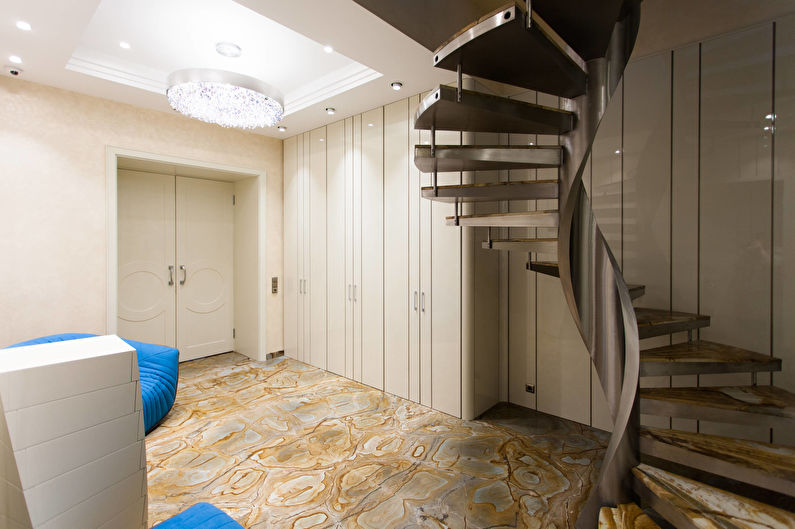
[(176, 259)]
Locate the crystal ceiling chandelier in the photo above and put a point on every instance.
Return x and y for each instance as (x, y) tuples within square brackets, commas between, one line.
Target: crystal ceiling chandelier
[(225, 98)]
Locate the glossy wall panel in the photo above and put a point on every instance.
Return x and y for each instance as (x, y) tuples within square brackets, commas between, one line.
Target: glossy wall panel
[(290, 280), (783, 212), (414, 254), (735, 198)]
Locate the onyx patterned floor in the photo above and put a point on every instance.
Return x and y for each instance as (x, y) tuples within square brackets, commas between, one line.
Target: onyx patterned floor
[(280, 444)]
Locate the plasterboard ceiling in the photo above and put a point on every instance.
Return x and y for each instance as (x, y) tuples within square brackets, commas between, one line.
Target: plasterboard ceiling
[(76, 47)]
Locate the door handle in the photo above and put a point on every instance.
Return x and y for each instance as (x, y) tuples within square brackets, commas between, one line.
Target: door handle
[(300, 286), (423, 302), (184, 274), (354, 292), (415, 301), (170, 275)]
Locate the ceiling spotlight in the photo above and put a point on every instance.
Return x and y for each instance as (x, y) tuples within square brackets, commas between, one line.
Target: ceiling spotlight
[(228, 49), (322, 139), (369, 124), (330, 111), (618, 151), (15, 59), (282, 129), (124, 45), (24, 26), (397, 85), (327, 48)]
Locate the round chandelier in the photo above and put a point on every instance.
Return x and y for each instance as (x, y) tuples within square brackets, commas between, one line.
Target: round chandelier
[(225, 98)]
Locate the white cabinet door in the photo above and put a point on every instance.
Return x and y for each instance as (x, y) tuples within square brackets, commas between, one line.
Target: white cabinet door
[(351, 325), (337, 284), (356, 156), (372, 284), (205, 245), (414, 256), (304, 267), (446, 299), (292, 181), (146, 251), (316, 283), (397, 298)]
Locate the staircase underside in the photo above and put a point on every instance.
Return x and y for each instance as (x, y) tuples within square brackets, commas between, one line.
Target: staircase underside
[(703, 357), (456, 158), (688, 504), (753, 405), (533, 219), (586, 26), (763, 465), (658, 322), (493, 192), (497, 46), (479, 112)]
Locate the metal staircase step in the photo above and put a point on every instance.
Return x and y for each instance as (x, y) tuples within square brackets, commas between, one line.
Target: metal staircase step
[(701, 357), (551, 269), (479, 112), (689, 504), (523, 190), (656, 322), (511, 47), (522, 245), (763, 465), (529, 219), (625, 516), (753, 405), (454, 158)]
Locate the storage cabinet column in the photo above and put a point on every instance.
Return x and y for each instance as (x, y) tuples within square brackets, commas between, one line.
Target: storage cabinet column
[(337, 286), (316, 249)]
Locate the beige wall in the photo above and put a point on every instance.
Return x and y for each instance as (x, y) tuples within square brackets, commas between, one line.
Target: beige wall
[(52, 200)]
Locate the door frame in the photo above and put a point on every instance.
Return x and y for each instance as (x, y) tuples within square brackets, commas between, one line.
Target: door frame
[(112, 234)]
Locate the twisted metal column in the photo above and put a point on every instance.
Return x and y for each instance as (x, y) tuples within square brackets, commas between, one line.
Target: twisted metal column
[(594, 287)]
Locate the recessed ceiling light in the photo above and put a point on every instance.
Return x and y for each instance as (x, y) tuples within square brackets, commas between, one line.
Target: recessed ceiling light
[(15, 59), (228, 49), (322, 139), (330, 110), (24, 26), (397, 85), (124, 45), (327, 48), (369, 124), (282, 129), (618, 151)]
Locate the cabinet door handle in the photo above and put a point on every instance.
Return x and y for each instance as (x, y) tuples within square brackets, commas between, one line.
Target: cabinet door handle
[(184, 274), (354, 292), (300, 286), (415, 301), (423, 302), (170, 275)]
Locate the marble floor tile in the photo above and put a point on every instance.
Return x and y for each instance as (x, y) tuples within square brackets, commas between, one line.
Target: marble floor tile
[(280, 444)]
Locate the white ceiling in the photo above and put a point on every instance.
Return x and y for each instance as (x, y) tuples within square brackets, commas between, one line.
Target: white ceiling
[(75, 45)]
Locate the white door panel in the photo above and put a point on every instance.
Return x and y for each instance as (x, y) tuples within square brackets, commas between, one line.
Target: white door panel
[(146, 250), (205, 243)]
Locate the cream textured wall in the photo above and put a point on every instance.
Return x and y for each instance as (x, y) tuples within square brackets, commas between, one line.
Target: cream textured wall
[(52, 200)]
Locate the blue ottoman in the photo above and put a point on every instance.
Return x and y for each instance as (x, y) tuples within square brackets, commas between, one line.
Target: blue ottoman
[(200, 516), (158, 366)]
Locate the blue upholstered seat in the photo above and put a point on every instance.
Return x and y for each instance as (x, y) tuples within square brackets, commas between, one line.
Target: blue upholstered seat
[(200, 516), (158, 366)]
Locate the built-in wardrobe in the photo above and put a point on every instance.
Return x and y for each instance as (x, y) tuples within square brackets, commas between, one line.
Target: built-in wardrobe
[(377, 287)]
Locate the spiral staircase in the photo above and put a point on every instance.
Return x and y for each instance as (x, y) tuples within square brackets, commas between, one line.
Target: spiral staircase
[(578, 51)]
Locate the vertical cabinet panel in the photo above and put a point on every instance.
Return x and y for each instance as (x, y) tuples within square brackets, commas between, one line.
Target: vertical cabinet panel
[(397, 297), (371, 295), (291, 248), (356, 152), (426, 284), (351, 325), (735, 188), (306, 257), (446, 299), (336, 211), (414, 254), (317, 245)]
